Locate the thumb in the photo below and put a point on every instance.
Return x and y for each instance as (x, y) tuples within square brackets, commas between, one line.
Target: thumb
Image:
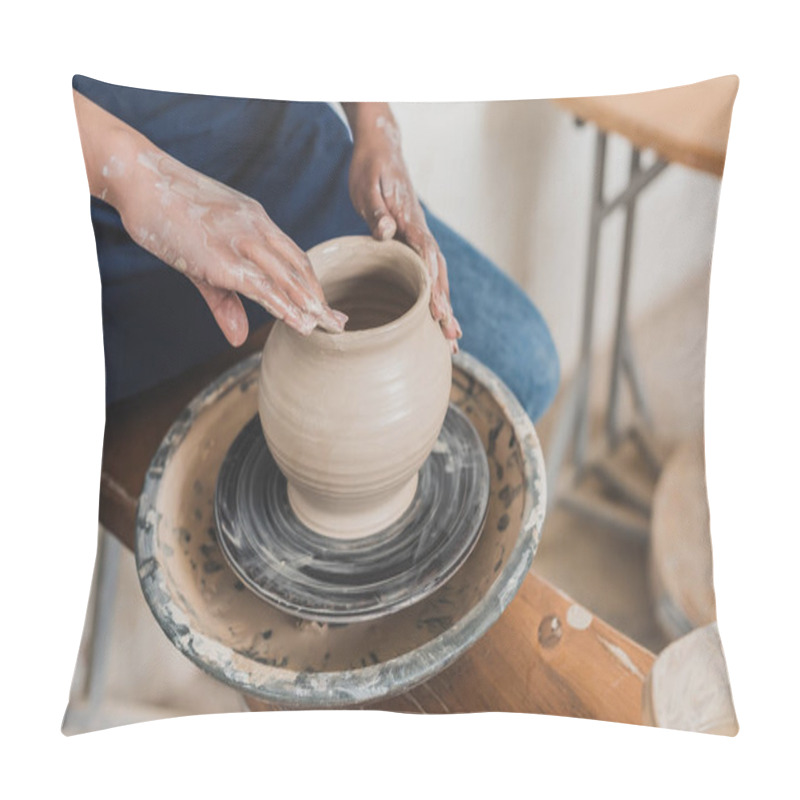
[(380, 220), (228, 311)]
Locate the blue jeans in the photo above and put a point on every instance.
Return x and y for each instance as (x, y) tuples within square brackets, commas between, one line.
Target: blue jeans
[(294, 159)]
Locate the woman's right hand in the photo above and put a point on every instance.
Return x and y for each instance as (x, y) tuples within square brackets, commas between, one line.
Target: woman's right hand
[(222, 240)]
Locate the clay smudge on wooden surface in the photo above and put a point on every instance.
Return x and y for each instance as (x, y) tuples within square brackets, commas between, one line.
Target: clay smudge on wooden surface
[(621, 656), (578, 617)]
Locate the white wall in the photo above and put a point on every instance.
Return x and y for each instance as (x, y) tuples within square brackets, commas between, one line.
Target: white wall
[(515, 179)]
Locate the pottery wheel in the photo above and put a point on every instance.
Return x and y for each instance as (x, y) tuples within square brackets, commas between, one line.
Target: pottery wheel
[(333, 580), (210, 617)]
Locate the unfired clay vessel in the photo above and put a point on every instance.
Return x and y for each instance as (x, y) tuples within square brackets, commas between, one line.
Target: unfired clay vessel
[(350, 418)]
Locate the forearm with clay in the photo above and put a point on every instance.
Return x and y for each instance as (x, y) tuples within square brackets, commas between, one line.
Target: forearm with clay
[(222, 240)]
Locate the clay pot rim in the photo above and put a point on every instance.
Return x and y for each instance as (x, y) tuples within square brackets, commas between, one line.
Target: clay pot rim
[(378, 335)]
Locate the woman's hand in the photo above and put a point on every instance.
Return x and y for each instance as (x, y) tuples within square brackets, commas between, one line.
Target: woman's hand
[(222, 240), (225, 243), (382, 194)]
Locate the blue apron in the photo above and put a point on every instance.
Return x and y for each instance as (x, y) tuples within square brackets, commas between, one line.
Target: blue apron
[(294, 158)]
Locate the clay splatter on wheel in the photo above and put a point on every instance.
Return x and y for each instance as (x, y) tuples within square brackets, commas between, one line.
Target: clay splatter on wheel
[(343, 580)]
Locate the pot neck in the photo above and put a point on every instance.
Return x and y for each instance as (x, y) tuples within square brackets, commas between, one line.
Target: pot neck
[(355, 257)]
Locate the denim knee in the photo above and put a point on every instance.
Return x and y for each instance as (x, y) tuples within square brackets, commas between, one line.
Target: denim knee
[(514, 341), (538, 370), (502, 327)]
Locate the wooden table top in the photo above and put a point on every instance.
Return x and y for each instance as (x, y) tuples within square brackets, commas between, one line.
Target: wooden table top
[(544, 655), (685, 124)]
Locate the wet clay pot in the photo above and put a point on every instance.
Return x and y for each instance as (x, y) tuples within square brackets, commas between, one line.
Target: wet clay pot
[(350, 418)]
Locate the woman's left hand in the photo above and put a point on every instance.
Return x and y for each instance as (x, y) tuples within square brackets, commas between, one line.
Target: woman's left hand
[(383, 195)]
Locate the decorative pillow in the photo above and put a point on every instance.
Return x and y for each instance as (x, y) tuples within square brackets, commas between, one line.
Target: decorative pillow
[(569, 285)]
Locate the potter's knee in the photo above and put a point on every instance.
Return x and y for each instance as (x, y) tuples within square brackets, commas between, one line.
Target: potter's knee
[(541, 365)]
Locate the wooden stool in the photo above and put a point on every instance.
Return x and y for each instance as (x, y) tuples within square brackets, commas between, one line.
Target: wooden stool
[(687, 125), (681, 581)]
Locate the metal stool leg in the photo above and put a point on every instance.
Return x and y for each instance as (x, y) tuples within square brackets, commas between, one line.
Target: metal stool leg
[(572, 427), (582, 421), (612, 425)]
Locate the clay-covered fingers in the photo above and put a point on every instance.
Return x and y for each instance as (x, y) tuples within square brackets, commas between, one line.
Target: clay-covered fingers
[(249, 281), (377, 215), (228, 311), (278, 275), (440, 304), (224, 242), (289, 253), (416, 235), (441, 290), (368, 200)]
